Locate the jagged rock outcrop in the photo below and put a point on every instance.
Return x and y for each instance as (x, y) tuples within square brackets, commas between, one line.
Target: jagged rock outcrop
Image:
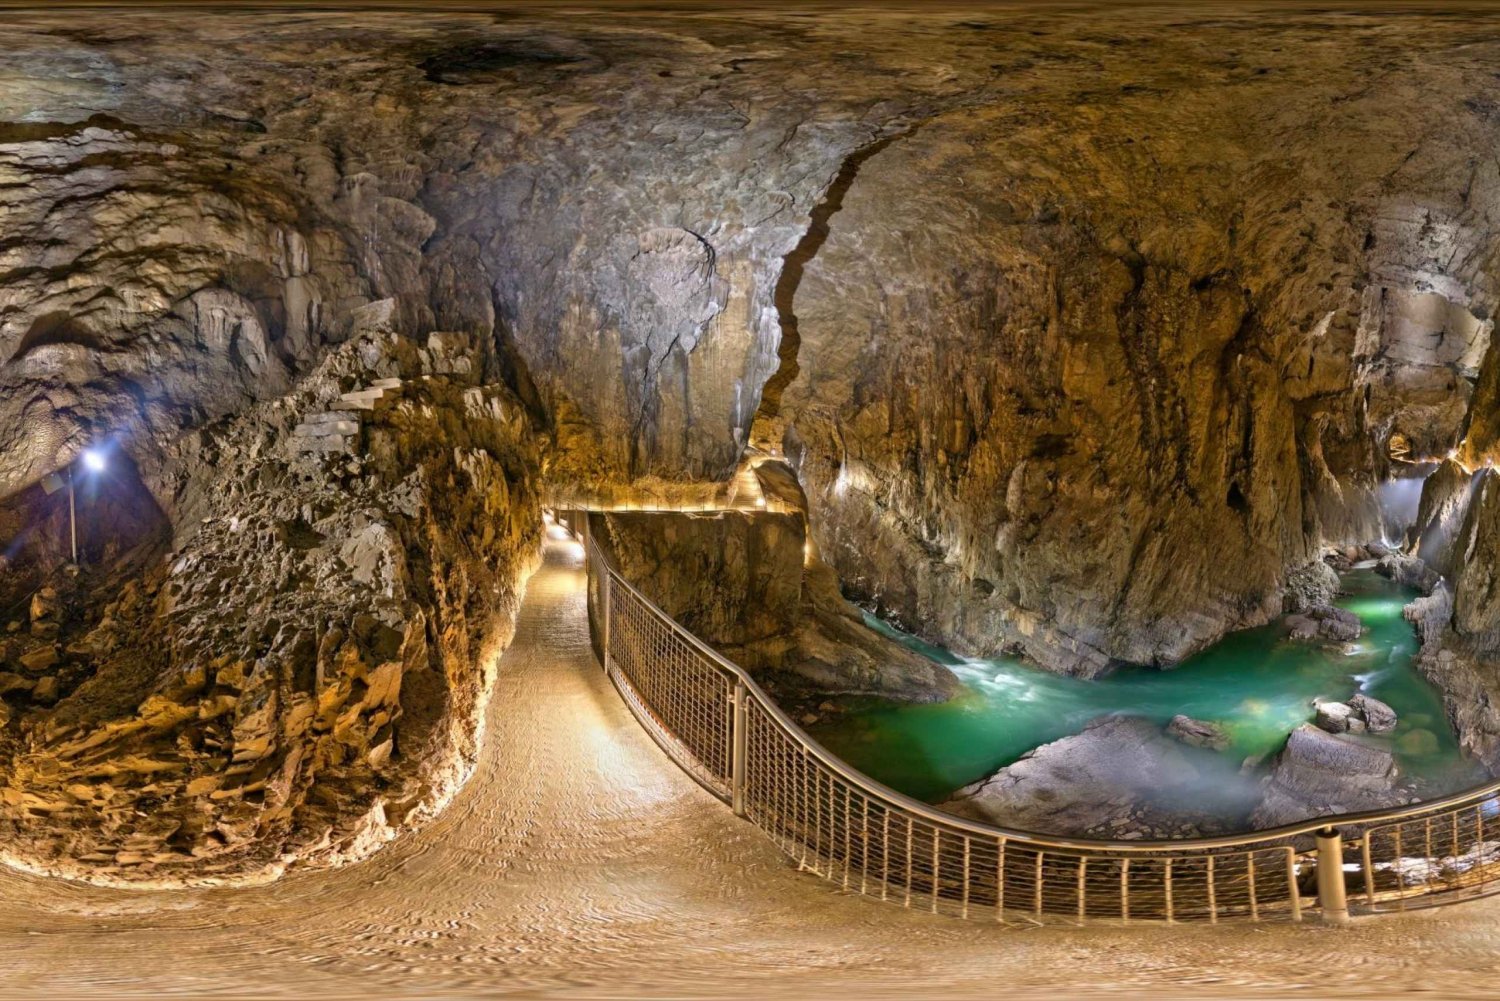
[(1313, 585), (302, 676), (743, 582), (1440, 517)]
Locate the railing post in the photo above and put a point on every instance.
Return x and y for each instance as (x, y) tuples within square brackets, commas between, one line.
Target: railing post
[(604, 599), (738, 743), (1332, 898)]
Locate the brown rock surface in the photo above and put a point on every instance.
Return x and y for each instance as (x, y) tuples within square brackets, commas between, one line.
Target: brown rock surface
[(743, 582)]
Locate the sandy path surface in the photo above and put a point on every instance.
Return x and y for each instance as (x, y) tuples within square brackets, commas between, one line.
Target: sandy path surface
[(579, 861)]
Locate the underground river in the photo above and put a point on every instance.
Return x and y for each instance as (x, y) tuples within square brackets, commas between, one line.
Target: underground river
[(1257, 683)]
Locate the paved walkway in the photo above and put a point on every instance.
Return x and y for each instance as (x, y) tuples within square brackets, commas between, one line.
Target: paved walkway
[(579, 861)]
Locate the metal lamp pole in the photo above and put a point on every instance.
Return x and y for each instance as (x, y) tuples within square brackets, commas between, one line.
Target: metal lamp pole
[(72, 517)]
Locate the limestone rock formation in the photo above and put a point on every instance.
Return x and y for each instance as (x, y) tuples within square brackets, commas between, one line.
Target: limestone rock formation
[(1121, 777), (1320, 774), (302, 675), (1440, 517), (1325, 622), (743, 582)]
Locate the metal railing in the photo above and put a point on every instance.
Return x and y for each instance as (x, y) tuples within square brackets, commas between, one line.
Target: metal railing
[(713, 719)]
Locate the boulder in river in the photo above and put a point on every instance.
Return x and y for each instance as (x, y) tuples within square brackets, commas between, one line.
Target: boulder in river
[(1325, 622), (1121, 775), (1408, 571), (1378, 717), (1197, 732), (1320, 774), (1313, 584), (1337, 717)]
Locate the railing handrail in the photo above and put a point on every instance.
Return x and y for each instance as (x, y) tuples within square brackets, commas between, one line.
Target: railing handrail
[(931, 814)]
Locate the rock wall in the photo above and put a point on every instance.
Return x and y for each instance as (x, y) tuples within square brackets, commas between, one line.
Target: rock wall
[(744, 582), (1072, 384), (302, 675)]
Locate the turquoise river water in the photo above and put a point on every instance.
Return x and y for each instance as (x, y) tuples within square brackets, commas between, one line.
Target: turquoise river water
[(1257, 683)]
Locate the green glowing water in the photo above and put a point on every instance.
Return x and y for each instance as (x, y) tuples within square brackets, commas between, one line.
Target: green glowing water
[(1257, 683)]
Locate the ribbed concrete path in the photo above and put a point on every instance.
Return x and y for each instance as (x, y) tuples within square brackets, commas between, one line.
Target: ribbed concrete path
[(579, 861)]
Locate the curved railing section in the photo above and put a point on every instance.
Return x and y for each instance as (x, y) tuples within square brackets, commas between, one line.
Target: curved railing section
[(715, 722)]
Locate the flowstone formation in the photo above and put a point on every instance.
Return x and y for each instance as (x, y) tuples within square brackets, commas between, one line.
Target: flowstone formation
[(298, 674)]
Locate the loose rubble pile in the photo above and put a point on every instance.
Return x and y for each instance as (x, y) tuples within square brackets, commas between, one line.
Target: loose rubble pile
[(302, 675)]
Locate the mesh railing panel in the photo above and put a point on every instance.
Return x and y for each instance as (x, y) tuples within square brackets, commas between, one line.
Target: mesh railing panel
[(1428, 860), (680, 695), (855, 833)]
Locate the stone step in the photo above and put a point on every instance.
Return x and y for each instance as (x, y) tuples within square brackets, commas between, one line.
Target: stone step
[(391, 383), (340, 427), (330, 416), (362, 399)]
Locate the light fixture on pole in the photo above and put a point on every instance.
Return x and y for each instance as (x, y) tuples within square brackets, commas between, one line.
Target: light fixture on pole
[(93, 462)]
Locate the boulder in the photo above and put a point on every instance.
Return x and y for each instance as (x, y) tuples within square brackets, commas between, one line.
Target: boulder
[(40, 658), (1311, 585), (1378, 717), (1325, 622), (1117, 767), (1320, 774), (1197, 733), (1408, 571), (1335, 717)]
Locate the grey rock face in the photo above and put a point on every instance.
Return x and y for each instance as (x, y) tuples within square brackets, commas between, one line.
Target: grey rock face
[(1378, 717), (1314, 584), (1408, 571), (1440, 517)]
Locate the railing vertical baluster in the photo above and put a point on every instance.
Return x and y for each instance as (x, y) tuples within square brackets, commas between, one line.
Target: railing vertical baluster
[(1000, 879), (1250, 884), (1167, 889), (1369, 869), (604, 590), (885, 852), (1125, 889), (1400, 869), (848, 831), (937, 864), (864, 843), (1332, 901), (1213, 900), (737, 739), (1294, 895), (967, 846), (909, 823), (1083, 868), (1037, 889)]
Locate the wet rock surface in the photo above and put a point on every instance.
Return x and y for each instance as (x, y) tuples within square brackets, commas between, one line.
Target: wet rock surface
[(1197, 732), (1324, 622)]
